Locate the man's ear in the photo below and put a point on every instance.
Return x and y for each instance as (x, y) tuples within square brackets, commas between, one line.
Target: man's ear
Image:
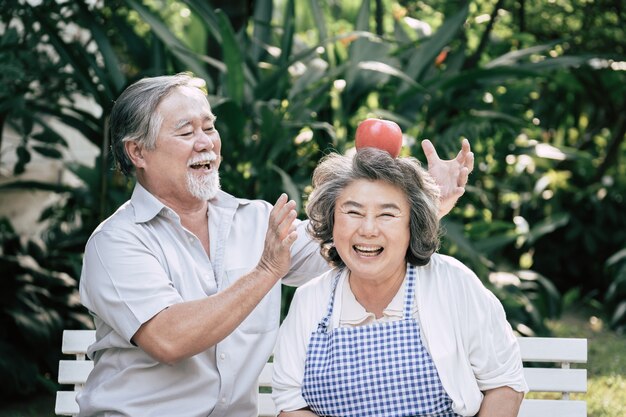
[(135, 152)]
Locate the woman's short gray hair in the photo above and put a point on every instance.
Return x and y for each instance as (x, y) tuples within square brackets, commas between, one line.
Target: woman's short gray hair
[(335, 172), (134, 116)]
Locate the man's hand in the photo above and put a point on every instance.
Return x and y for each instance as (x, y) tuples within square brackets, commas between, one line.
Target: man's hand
[(281, 234), (451, 175)]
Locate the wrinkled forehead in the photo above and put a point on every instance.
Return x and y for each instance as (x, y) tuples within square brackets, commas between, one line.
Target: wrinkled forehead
[(368, 192), (187, 93), (185, 103)]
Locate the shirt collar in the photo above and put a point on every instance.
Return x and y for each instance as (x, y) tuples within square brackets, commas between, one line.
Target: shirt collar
[(353, 313), (147, 206)]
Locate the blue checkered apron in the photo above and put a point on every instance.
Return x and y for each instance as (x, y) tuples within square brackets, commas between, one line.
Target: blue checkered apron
[(382, 369)]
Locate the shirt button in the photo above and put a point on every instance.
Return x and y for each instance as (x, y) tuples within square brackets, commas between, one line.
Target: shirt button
[(222, 356), (190, 239), (223, 399)]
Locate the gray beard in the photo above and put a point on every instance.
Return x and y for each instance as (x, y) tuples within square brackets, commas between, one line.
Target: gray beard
[(203, 188)]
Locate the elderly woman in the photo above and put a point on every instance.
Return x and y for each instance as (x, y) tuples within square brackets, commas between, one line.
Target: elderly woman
[(394, 329)]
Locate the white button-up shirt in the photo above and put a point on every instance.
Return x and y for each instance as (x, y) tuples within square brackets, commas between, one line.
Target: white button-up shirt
[(463, 327), (142, 260)]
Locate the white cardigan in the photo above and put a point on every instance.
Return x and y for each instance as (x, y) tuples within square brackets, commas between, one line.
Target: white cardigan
[(463, 327)]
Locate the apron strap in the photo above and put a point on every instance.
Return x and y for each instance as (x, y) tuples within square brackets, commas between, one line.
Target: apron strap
[(323, 325), (409, 298), (409, 291)]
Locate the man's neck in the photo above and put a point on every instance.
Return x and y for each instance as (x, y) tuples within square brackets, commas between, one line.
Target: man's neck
[(193, 213), (197, 222)]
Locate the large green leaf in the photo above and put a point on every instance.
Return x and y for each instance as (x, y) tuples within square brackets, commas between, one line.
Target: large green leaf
[(233, 58), (363, 17), (383, 68), (74, 57), (490, 76), (204, 9), (111, 76), (322, 31), (616, 258), (173, 44), (81, 120), (514, 57), (136, 47), (289, 186), (424, 56), (262, 32), (35, 185)]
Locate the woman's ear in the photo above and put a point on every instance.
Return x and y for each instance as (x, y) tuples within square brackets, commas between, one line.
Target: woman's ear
[(135, 152)]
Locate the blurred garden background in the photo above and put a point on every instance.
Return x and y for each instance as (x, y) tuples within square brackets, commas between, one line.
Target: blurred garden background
[(537, 86)]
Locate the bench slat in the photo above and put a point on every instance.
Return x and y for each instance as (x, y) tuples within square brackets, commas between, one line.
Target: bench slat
[(556, 379), (76, 342), (553, 349), (74, 372), (265, 379), (553, 408), (266, 405), (66, 404)]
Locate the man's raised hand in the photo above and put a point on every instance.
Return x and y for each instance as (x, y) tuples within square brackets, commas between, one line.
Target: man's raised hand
[(281, 234)]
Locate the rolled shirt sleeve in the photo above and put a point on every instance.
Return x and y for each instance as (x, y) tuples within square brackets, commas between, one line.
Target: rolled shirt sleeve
[(467, 334), (306, 260), (125, 304), (493, 350)]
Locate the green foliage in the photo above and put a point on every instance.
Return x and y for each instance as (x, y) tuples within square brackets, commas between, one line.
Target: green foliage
[(37, 302), (40, 277), (540, 103)]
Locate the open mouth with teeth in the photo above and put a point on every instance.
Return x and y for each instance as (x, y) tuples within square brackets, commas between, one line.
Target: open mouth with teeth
[(368, 251), (201, 165)]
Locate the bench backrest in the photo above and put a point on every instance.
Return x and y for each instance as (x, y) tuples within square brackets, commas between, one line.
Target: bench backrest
[(73, 372), (538, 353)]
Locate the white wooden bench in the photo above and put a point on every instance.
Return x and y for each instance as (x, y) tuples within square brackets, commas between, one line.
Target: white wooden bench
[(535, 351), (562, 379)]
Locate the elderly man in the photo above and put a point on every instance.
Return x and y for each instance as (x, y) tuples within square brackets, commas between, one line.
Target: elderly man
[(183, 281)]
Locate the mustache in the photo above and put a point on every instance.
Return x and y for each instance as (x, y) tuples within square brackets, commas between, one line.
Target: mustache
[(205, 156)]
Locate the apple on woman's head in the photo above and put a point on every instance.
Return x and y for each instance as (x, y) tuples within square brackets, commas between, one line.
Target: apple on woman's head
[(381, 134)]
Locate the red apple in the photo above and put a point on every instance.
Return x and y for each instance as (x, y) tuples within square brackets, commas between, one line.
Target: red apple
[(381, 134)]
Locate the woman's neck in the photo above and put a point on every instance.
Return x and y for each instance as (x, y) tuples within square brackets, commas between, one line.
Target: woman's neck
[(375, 296)]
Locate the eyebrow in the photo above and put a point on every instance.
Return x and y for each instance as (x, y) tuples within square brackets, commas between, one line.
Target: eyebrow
[(386, 206), (184, 122)]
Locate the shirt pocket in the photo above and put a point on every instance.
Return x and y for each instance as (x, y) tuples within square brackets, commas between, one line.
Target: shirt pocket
[(266, 315)]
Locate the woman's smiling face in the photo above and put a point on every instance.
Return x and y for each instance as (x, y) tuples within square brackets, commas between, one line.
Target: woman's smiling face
[(371, 230)]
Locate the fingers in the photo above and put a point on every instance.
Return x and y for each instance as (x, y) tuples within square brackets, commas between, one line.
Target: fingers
[(430, 152), (464, 152), (465, 157), (463, 177), (469, 162), (280, 236), (282, 217), (465, 146), (291, 238)]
